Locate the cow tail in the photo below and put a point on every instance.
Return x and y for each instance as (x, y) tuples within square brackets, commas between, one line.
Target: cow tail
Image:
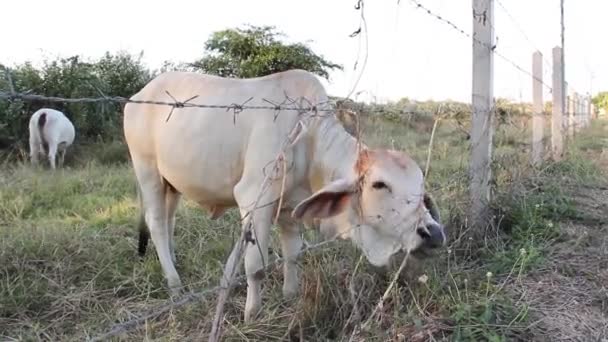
[(144, 233), (41, 122)]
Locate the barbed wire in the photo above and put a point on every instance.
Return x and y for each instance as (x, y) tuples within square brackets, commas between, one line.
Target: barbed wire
[(359, 6), (520, 29), (490, 47), (451, 114), (235, 107), (238, 108)]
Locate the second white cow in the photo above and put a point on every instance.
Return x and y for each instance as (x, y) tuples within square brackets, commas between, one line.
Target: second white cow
[(373, 197), (51, 132)]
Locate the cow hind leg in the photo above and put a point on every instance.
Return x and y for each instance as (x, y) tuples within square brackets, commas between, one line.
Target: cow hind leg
[(62, 149), (144, 234), (61, 158), (153, 192), (34, 149), (52, 155), (172, 197)]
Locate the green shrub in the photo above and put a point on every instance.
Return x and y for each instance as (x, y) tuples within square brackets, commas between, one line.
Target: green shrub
[(111, 75)]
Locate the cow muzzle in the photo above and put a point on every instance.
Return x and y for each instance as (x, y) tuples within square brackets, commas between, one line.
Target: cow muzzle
[(432, 235)]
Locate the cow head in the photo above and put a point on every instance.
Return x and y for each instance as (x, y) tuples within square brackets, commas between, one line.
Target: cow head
[(383, 210)]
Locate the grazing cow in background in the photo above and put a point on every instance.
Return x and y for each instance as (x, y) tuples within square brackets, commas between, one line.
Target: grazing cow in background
[(373, 197), (51, 132)]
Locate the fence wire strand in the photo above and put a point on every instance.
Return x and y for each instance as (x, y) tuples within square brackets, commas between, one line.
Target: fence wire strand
[(523, 33), (468, 35), (234, 107)]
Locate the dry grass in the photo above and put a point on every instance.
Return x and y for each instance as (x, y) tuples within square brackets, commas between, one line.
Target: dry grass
[(70, 269)]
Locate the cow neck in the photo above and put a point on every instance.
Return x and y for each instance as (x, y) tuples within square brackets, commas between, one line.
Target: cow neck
[(335, 153)]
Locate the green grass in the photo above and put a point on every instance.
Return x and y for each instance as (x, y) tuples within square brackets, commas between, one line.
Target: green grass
[(69, 267)]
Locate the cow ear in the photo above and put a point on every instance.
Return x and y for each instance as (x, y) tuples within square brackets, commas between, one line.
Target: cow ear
[(329, 201), (430, 204)]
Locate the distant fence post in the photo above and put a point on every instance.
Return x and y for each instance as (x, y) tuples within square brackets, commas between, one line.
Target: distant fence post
[(538, 121), (482, 129), (565, 121), (571, 122), (557, 140), (581, 115), (583, 112), (589, 110), (577, 119)]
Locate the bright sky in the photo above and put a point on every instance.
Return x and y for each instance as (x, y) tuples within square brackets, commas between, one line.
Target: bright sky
[(411, 54)]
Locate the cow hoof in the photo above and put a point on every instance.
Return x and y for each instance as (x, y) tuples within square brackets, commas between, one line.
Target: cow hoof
[(250, 316), (251, 313), (290, 293), (175, 290)]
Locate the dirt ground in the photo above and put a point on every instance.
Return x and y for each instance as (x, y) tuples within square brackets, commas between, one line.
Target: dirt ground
[(568, 297)]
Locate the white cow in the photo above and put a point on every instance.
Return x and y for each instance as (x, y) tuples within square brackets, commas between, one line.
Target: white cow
[(50, 132), (374, 197)]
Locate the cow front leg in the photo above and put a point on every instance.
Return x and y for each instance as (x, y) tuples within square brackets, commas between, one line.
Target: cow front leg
[(256, 258), (258, 223), (291, 244)]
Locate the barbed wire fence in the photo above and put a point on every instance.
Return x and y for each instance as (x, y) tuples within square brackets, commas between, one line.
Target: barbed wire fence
[(563, 120), (568, 121)]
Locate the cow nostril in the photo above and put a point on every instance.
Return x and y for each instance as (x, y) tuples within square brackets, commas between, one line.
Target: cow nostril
[(423, 233), (436, 236)]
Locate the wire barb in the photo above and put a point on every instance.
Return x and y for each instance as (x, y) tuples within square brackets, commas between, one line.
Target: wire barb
[(177, 104), (237, 108), (277, 107)]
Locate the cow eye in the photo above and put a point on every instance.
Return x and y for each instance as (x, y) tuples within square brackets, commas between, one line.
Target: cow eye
[(380, 185)]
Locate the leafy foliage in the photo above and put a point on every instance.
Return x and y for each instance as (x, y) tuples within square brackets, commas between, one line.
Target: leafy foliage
[(250, 52), (112, 75), (600, 101), (256, 51)]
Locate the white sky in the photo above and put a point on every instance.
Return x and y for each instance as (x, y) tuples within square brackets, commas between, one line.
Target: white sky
[(411, 54)]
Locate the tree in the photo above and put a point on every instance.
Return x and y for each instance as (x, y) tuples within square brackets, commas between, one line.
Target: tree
[(600, 101), (256, 51)]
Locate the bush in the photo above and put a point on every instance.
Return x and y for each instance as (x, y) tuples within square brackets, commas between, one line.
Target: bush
[(112, 75), (123, 75)]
